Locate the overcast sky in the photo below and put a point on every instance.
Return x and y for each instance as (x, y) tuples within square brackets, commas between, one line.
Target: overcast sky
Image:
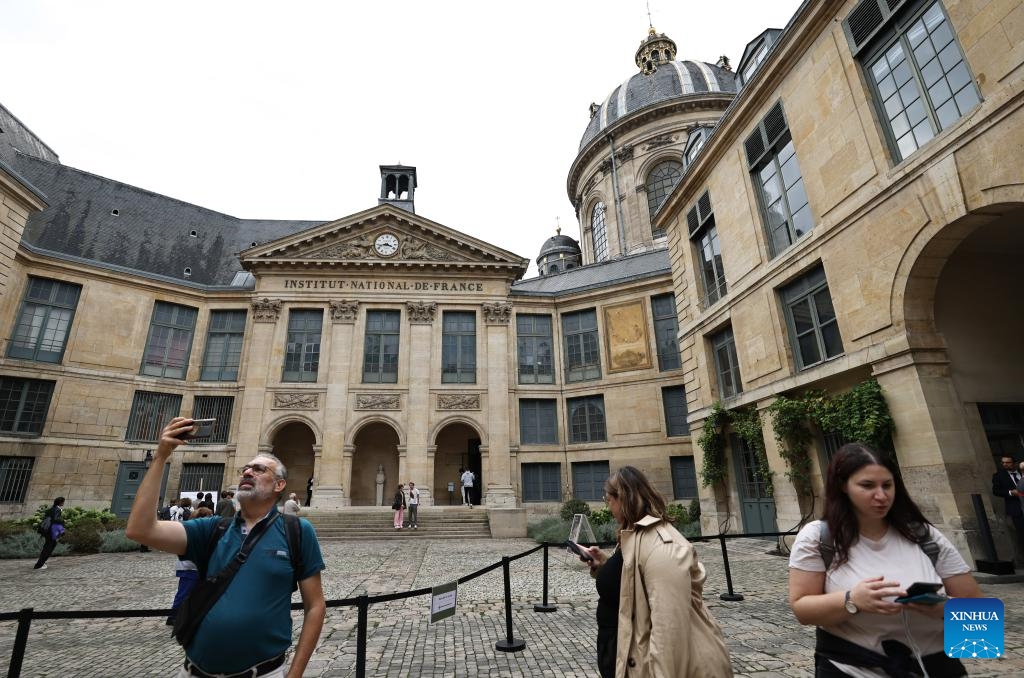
[(277, 110)]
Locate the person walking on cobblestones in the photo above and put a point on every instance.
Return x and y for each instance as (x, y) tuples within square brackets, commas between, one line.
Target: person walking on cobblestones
[(51, 527), (248, 629), (651, 619), (398, 506), (414, 506), (846, 570)]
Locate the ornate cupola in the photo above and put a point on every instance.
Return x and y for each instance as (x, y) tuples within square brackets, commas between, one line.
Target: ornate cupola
[(398, 186), (560, 253), (657, 49)]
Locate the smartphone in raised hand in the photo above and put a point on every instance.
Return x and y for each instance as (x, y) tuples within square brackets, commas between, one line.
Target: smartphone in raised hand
[(578, 550), (201, 428)]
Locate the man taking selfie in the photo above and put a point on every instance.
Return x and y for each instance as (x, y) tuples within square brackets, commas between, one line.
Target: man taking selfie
[(247, 631)]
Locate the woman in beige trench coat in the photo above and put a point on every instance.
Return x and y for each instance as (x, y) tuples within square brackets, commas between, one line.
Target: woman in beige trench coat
[(652, 622)]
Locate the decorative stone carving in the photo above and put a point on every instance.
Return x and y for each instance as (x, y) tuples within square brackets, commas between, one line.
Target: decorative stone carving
[(458, 401), (266, 310), (296, 401), (344, 310), (605, 167), (360, 247), (624, 153), (498, 312), (659, 141), (378, 401), (421, 311), (420, 249)]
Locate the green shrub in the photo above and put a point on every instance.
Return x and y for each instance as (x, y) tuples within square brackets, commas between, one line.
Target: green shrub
[(26, 544), (548, 529), (691, 529), (9, 528), (695, 511), (574, 506), (679, 515), (74, 515), (84, 536), (114, 541), (601, 516)]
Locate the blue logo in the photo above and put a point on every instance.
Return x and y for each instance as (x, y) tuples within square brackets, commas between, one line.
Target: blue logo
[(974, 628)]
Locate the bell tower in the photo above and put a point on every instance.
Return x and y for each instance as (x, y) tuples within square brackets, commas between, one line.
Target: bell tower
[(397, 187)]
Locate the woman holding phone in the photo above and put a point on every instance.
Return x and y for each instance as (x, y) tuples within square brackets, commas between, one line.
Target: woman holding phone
[(651, 619), (848, 570)]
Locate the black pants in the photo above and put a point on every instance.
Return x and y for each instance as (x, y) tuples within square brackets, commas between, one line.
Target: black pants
[(46, 552), (467, 495)]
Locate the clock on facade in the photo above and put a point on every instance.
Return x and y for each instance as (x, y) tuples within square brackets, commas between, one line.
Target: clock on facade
[(386, 244)]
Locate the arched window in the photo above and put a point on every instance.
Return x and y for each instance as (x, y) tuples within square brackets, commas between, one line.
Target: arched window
[(600, 232), (660, 182)]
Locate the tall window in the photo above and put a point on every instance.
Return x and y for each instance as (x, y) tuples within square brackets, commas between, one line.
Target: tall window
[(921, 82), (666, 331), (582, 355), (302, 355), (44, 321), (223, 346), (15, 472), (813, 328), (380, 347), (694, 143), (23, 405), (538, 422), (673, 398), (684, 478), (727, 365), (534, 348), (458, 347), (588, 478), (660, 182), (205, 477), (599, 232), (780, 186), (150, 413), (586, 419), (542, 482), (700, 222), (214, 407), (170, 341)]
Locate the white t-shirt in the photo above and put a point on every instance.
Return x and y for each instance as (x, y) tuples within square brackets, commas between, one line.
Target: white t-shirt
[(291, 507), (414, 496), (467, 479), (895, 558)]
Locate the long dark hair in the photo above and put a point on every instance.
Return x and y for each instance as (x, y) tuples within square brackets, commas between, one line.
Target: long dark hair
[(839, 512), (637, 497)]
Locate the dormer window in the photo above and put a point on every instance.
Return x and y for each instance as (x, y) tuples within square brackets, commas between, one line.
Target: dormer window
[(694, 143)]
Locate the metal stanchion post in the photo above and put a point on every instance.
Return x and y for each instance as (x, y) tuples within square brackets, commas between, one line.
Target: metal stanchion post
[(728, 574), (510, 644), (364, 608), (545, 607), (20, 642)]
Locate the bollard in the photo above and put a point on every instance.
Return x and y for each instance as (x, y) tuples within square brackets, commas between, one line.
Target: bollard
[(730, 596), (510, 644), (544, 606), (364, 608), (20, 642)]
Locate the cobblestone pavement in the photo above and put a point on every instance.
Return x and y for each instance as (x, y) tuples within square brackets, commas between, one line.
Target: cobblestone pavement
[(764, 639)]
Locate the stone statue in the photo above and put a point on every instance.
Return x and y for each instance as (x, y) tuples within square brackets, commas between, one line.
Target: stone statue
[(380, 485)]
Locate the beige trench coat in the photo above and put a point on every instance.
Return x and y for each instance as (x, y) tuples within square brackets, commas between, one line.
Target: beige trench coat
[(664, 629)]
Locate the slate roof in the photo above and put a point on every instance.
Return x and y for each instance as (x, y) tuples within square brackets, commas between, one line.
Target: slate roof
[(150, 234), (594, 276)]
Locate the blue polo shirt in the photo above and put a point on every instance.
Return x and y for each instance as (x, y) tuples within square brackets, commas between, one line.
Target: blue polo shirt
[(252, 621)]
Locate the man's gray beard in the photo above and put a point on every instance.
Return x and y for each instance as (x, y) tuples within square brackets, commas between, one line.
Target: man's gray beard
[(257, 494)]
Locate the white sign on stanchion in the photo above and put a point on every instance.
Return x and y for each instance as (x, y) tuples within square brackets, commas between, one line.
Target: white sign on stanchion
[(442, 601)]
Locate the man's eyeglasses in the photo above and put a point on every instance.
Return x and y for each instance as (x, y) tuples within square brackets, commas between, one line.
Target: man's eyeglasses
[(256, 469)]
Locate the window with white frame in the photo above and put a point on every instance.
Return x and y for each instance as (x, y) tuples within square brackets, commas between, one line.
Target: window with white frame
[(170, 340), (811, 318), (44, 321)]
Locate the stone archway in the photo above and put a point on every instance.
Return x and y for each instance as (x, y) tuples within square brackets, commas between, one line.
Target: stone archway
[(376, 445), (458, 446), (293, 445)]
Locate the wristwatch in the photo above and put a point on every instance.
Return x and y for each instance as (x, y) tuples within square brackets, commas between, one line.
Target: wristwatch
[(850, 607)]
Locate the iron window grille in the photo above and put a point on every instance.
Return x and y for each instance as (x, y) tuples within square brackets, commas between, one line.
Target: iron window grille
[(150, 413), (302, 353), (170, 341), (542, 482), (538, 422), (380, 347), (666, 331), (214, 407), (15, 474), (23, 405), (582, 353), (586, 419), (223, 353), (534, 349), (47, 311), (201, 477), (458, 347)]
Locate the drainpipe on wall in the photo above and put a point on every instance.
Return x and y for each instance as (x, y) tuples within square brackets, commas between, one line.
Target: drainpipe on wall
[(618, 202)]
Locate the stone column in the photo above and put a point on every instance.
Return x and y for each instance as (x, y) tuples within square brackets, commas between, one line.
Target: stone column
[(329, 491), (938, 460), (259, 358), (500, 493), (414, 461)]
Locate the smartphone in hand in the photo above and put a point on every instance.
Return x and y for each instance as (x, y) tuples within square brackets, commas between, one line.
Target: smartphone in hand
[(925, 593), (578, 550), (201, 428)]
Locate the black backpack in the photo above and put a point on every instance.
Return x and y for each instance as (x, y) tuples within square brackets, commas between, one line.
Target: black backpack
[(164, 513), (292, 532)]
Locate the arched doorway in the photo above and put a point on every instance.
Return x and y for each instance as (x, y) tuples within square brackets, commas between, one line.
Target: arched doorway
[(293, 445), (458, 446), (376, 447)]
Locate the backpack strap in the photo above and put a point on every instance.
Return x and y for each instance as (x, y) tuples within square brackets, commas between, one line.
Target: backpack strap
[(826, 547), (222, 526), (293, 533)]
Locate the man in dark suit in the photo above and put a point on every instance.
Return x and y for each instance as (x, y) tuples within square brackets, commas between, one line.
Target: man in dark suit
[(1004, 484)]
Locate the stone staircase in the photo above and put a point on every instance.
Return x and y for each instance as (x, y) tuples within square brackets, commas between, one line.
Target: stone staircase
[(377, 522)]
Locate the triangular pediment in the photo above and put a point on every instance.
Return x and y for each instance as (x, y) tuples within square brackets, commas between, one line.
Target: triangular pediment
[(386, 237)]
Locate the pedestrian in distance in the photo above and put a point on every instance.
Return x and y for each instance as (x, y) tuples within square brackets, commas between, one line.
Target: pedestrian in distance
[(291, 507), (185, 504), (51, 527), (225, 507), (651, 619), (187, 573), (248, 630), (398, 506), (414, 506), (309, 490), (848, 572), (1004, 486), (467, 488)]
